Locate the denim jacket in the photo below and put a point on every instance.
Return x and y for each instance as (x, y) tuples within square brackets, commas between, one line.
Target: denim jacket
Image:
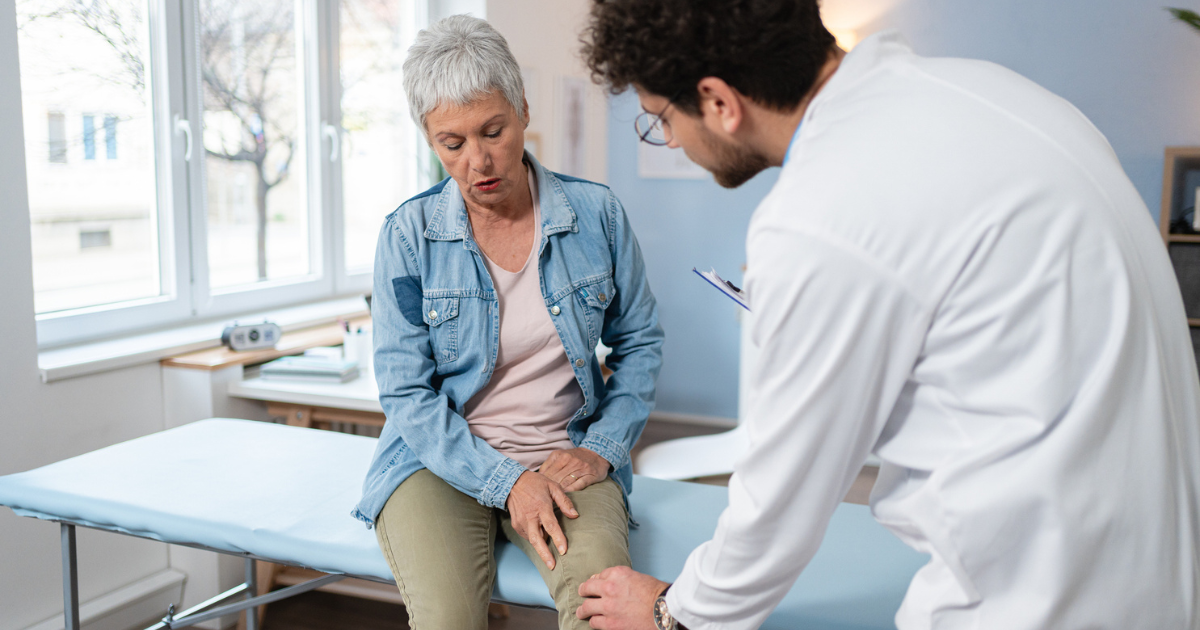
[(436, 327)]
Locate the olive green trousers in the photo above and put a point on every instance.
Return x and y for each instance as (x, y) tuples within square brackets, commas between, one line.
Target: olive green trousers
[(439, 543)]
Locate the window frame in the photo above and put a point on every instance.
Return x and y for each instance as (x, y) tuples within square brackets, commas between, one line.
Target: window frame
[(170, 306), (349, 280), (180, 220)]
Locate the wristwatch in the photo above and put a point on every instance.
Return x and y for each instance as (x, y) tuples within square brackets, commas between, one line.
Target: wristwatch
[(662, 616)]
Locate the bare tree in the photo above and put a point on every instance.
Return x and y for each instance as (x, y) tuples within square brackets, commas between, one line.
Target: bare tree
[(244, 49), (116, 25)]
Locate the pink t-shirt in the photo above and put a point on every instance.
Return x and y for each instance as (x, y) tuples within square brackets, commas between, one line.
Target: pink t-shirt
[(523, 411)]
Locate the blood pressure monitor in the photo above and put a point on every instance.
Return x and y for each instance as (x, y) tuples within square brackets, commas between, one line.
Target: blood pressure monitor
[(251, 336)]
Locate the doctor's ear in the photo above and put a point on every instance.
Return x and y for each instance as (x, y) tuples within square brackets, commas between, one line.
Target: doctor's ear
[(721, 106)]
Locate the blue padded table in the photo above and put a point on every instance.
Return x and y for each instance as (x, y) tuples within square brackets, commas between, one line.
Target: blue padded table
[(284, 494)]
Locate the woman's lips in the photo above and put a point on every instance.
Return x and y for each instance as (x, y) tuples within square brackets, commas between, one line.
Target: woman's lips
[(488, 184)]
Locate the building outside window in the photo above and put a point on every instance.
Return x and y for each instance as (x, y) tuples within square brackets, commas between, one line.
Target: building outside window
[(280, 122)]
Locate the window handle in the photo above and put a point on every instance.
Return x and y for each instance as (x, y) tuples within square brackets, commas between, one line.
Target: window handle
[(182, 125), (335, 141)]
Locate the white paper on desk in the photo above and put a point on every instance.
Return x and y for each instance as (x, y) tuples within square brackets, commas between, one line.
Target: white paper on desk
[(734, 293)]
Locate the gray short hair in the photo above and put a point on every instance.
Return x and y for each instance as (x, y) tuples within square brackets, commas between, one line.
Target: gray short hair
[(457, 60)]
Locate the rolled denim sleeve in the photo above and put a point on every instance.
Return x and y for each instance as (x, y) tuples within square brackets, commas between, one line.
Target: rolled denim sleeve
[(631, 329), (406, 373)]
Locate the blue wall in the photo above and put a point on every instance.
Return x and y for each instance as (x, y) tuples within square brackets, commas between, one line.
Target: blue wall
[(683, 224), (1125, 63)]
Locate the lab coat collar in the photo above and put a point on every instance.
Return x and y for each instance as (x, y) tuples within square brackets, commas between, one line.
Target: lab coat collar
[(869, 54)]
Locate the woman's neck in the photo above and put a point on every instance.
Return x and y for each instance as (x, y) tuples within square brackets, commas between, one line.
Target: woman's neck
[(514, 209)]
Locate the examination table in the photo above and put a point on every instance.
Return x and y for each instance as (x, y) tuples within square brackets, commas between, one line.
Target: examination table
[(284, 494)]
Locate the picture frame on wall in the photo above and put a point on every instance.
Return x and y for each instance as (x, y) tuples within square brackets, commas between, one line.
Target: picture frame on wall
[(1178, 225), (1181, 179), (572, 125)]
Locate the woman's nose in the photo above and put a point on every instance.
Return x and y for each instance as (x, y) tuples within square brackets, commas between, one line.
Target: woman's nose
[(479, 157)]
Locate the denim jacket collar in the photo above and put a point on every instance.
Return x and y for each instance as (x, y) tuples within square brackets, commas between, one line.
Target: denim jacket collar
[(449, 221)]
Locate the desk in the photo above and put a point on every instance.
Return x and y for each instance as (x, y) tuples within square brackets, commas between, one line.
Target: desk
[(308, 404), (317, 405)]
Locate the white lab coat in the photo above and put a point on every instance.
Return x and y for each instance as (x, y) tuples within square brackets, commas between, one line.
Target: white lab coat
[(954, 273)]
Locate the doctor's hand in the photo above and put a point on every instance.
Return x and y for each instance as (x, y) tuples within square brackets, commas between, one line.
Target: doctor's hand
[(575, 468), (620, 598), (531, 504)]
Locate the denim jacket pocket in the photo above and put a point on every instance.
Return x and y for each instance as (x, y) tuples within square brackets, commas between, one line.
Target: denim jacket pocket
[(596, 297), (441, 314)]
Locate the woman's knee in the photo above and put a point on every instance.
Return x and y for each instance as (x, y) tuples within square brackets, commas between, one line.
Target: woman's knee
[(599, 538)]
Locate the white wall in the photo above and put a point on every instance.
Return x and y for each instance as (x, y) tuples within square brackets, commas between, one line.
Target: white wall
[(544, 37), (41, 423)]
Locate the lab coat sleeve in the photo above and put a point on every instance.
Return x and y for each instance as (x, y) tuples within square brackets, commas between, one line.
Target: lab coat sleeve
[(838, 336)]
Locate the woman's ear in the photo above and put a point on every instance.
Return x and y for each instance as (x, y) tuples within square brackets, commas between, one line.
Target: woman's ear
[(525, 110)]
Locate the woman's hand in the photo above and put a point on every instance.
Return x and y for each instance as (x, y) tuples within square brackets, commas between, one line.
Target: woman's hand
[(575, 468), (531, 505)]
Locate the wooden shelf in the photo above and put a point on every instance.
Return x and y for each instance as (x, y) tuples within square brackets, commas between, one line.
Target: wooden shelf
[(294, 342), (1183, 238)]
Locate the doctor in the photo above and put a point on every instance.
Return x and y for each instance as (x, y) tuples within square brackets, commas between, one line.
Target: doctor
[(953, 273)]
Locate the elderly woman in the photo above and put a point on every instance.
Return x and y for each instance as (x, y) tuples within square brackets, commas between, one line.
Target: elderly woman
[(492, 290)]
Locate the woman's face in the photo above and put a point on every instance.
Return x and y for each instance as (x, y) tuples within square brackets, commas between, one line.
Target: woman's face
[(481, 145)]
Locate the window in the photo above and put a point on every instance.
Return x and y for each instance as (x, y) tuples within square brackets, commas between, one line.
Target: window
[(56, 143), (376, 128), (89, 137), (259, 153), (110, 137), (66, 64), (254, 142), (89, 239)]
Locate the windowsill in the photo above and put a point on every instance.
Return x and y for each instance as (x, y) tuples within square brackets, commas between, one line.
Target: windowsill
[(101, 356)]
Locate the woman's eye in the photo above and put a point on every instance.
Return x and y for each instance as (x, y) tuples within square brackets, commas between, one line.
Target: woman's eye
[(494, 134), (454, 147)]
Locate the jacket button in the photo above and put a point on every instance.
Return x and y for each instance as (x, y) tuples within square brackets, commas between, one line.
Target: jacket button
[(432, 314), (554, 310), (579, 362), (602, 297)]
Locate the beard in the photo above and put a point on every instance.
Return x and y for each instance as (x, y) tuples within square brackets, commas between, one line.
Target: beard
[(733, 165)]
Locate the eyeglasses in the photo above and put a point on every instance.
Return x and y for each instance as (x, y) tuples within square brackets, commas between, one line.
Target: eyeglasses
[(649, 127)]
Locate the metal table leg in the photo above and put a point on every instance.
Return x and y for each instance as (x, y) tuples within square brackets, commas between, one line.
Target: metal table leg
[(70, 573), (251, 593)]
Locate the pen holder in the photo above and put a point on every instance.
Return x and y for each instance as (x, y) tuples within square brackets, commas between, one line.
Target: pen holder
[(356, 346)]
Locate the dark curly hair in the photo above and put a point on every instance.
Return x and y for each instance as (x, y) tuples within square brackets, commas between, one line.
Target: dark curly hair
[(769, 50)]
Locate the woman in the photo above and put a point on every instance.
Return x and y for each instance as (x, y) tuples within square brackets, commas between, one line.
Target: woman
[(492, 290)]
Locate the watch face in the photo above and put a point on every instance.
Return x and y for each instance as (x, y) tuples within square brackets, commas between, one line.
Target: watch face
[(662, 616)]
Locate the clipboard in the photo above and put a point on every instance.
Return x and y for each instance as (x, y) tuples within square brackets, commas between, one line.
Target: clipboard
[(724, 286)]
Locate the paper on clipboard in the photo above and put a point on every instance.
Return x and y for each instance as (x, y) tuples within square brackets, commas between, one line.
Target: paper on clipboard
[(724, 286)]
